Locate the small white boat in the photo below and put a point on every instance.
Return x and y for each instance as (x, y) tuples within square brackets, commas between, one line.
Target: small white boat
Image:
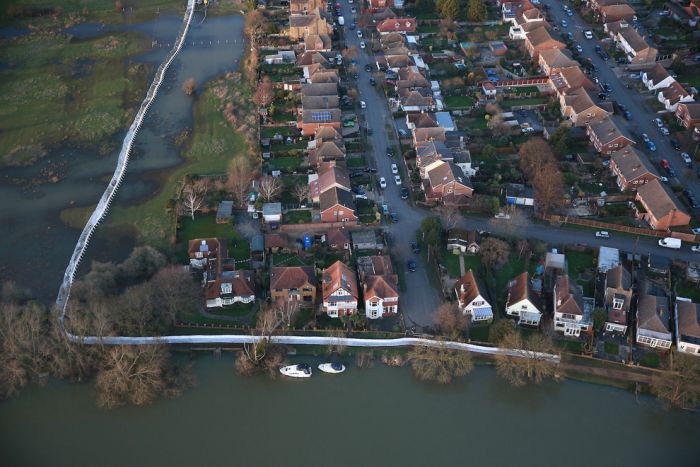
[(301, 370), (332, 367)]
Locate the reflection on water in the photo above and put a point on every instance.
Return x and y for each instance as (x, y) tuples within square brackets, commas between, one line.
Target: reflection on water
[(36, 245), (381, 416)]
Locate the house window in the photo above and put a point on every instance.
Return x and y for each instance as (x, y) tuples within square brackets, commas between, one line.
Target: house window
[(373, 303), (617, 303), (568, 316), (373, 314), (479, 303)]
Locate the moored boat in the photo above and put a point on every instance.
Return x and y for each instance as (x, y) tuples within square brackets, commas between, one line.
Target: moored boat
[(302, 370), (332, 367)]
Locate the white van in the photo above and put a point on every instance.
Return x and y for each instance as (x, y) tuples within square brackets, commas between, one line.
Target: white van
[(669, 242), (363, 105)]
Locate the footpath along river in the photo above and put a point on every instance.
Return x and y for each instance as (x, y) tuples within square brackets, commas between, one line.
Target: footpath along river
[(378, 416)]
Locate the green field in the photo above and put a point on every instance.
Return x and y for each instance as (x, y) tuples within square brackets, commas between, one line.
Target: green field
[(458, 102)]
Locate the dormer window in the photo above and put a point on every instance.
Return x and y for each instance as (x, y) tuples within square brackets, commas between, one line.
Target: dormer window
[(618, 303)]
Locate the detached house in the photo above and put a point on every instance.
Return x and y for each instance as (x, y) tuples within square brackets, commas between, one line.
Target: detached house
[(337, 205), (340, 291), (463, 241), (673, 95), (631, 169), (606, 137), (331, 177), (572, 313), (657, 78), (610, 13), (379, 285), (446, 183), (618, 299), (293, 284), (472, 298), (522, 302), (304, 24), (687, 326), (654, 321), (658, 207)]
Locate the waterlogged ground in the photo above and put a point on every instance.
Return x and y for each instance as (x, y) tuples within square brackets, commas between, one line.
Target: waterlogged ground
[(379, 416), (92, 92)]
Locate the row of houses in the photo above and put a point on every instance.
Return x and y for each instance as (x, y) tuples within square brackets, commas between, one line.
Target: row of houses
[(670, 92)]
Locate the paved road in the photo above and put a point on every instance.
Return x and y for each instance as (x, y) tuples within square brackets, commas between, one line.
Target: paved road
[(419, 300), (643, 117)]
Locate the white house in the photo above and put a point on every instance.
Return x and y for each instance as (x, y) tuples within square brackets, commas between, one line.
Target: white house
[(673, 95), (522, 303), (340, 291), (572, 313), (272, 212), (381, 294), (657, 78), (687, 326), (654, 321), (472, 298), (230, 287)]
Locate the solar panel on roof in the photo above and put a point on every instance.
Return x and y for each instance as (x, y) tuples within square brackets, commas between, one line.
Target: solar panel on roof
[(322, 116)]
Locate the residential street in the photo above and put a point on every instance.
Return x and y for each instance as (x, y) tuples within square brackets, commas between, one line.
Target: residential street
[(642, 117), (419, 299)]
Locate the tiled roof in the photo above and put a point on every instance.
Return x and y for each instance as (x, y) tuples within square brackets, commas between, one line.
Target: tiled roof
[(338, 276), (292, 277), (606, 131), (468, 288), (568, 300), (675, 92), (657, 199), (630, 164), (334, 196), (383, 286), (688, 320), (653, 313), (557, 58)]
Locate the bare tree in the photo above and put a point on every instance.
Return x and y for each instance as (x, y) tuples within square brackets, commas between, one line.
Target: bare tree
[(134, 375), (265, 93), (497, 126), (534, 364), (451, 321), (189, 86), (439, 363), (494, 252), (535, 153), (270, 187), (492, 109), (193, 197), (261, 356), (349, 53), (450, 216), (286, 311), (680, 388), (549, 188), (336, 346), (301, 192), (239, 177)]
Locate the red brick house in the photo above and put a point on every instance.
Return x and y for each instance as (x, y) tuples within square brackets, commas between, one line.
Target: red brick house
[(579, 107), (631, 169), (658, 207), (337, 205), (606, 137), (381, 4), (445, 183), (688, 114)]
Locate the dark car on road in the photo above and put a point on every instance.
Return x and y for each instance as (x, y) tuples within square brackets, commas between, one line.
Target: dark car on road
[(607, 87), (675, 143), (404, 193), (412, 266), (415, 248), (394, 217), (372, 81), (627, 114), (368, 68), (370, 170)]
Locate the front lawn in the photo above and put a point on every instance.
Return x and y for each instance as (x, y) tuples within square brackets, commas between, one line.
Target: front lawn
[(297, 217), (459, 102), (578, 262), (510, 103), (612, 348), (287, 163), (650, 359)]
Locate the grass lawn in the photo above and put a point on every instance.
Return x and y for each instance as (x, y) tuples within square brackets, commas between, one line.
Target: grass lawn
[(691, 75), (578, 262), (206, 227), (475, 123), (287, 163), (570, 346), (510, 103), (304, 316), (271, 131), (457, 102), (479, 333), (287, 259), (55, 89), (650, 359), (612, 348), (688, 290), (211, 148), (451, 262), (297, 217), (237, 310), (356, 162), (507, 272)]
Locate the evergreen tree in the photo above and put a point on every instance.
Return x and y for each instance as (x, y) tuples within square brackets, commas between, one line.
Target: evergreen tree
[(448, 9)]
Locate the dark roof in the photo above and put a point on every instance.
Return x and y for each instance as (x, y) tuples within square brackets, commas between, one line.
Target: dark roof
[(292, 277), (334, 196), (688, 321), (653, 313), (468, 287)]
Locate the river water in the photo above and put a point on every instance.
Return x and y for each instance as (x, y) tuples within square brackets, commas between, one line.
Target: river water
[(363, 417)]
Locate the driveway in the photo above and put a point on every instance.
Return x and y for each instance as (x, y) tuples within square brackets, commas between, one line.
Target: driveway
[(419, 300), (642, 117)]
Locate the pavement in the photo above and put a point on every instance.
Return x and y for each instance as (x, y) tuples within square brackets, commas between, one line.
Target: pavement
[(419, 300), (642, 116)]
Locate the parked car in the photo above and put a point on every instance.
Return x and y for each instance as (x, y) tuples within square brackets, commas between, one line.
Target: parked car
[(416, 249), (696, 230), (652, 146), (372, 81), (645, 137), (394, 217), (686, 158), (368, 68), (371, 170), (627, 114), (356, 173), (412, 266), (675, 143), (664, 131), (363, 105), (502, 215), (389, 154), (588, 34), (570, 36), (564, 24), (569, 13), (664, 163), (695, 248), (359, 34), (659, 122), (397, 179), (602, 234), (404, 193), (579, 49), (607, 87), (382, 182), (362, 44), (672, 172), (394, 169), (403, 133), (598, 48)]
